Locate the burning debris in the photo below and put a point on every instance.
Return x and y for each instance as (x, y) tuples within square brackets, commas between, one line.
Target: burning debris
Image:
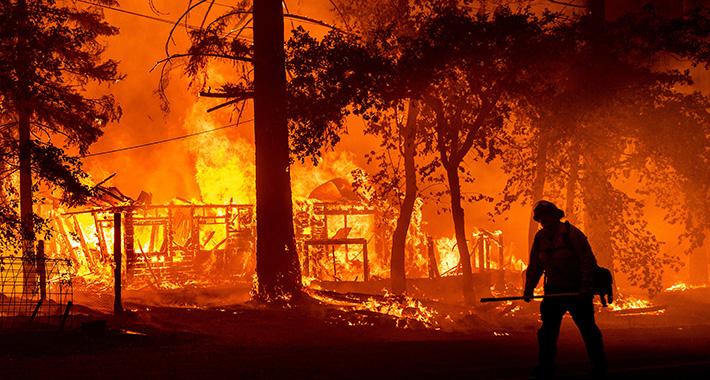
[(165, 246)]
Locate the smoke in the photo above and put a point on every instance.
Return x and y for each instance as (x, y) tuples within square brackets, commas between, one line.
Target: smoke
[(166, 170)]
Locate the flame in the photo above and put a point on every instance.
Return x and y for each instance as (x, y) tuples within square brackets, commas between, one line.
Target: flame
[(628, 303), (225, 175), (448, 256), (224, 166), (681, 286), (305, 176), (496, 255), (404, 308), (408, 311)]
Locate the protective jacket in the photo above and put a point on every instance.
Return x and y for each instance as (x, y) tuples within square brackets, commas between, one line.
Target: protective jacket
[(566, 259)]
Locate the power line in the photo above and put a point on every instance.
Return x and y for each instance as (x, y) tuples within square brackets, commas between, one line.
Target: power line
[(132, 13), (168, 140), (287, 15), (566, 4)]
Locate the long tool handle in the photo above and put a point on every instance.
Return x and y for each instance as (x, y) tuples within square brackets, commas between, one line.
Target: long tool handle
[(516, 298)]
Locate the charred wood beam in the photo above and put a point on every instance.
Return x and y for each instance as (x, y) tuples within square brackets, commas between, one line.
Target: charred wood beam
[(334, 242), (344, 212), (117, 305), (146, 208)]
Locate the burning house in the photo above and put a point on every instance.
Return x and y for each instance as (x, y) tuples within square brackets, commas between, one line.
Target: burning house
[(343, 245)]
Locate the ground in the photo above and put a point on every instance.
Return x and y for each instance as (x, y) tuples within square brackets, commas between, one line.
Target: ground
[(315, 340)]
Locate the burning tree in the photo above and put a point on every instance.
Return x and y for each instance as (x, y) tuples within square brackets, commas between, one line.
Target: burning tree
[(50, 52)]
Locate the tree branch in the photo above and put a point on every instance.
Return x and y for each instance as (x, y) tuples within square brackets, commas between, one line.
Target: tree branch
[(243, 59), (227, 95), (228, 103)]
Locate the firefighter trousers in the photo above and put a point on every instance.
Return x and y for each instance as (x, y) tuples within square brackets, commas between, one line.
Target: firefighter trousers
[(581, 308)]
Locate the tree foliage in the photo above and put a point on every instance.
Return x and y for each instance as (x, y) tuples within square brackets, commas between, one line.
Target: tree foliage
[(604, 138), (50, 52), (464, 70)]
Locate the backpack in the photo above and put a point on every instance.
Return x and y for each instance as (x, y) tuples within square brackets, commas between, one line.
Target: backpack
[(603, 285), (601, 277)]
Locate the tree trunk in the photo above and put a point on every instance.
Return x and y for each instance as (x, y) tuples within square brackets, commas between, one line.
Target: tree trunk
[(596, 225), (452, 172), (572, 184), (399, 237), (26, 212), (538, 187), (25, 157), (277, 264), (26, 181)]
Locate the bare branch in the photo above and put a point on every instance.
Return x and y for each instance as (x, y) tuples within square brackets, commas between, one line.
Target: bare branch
[(243, 59), (229, 102), (317, 22), (227, 95)]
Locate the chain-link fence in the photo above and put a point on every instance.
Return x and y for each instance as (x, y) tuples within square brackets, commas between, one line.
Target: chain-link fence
[(35, 293)]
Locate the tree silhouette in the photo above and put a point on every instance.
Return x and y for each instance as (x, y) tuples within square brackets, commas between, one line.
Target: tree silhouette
[(277, 264), (463, 71), (476, 67), (614, 98), (394, 120), (50, 52)]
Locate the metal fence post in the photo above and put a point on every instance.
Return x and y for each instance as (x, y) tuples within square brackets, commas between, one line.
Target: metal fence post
[(117, 307)]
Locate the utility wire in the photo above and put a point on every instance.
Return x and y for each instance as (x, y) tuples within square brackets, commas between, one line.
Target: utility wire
[(287, 15), (168, 140), (567, 4), (132, 13)]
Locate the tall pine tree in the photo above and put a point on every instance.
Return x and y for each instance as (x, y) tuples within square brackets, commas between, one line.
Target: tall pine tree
[(49, 51)]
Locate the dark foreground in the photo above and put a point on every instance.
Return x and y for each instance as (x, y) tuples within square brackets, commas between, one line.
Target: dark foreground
[(314, 341)]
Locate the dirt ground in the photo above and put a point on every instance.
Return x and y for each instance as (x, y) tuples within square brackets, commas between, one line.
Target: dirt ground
[(313, 340)]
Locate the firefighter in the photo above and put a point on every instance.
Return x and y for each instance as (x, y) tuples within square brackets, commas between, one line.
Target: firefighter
[(562, 253)]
